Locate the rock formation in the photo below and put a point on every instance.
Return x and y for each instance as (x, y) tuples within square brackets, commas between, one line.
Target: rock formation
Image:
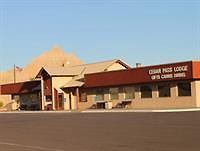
[(55, 57)]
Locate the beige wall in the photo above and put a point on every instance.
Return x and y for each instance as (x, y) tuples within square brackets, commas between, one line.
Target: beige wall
[(57, 83), (88, 104), (5, 99), (7, 102), (90, 95), (115, 66), (174, 101), (156, 102), (66, 103), (197, 92), (74, 101)]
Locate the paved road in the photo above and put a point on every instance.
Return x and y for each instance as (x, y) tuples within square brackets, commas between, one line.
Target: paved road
[(100, 132)]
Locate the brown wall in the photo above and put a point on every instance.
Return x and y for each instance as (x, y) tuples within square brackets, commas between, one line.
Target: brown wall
[(47, 86)]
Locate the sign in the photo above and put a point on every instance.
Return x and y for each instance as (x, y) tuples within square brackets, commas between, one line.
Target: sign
[(168, 72)]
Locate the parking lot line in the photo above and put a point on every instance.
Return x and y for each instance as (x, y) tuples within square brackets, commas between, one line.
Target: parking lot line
[(29, 147)]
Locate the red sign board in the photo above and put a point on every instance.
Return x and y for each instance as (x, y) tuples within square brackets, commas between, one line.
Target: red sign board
[(149, 74)]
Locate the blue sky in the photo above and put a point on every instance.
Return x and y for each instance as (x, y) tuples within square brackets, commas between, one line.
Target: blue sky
[(149, 32)]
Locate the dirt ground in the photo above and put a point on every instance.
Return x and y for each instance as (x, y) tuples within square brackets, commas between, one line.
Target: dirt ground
[(100, 132)]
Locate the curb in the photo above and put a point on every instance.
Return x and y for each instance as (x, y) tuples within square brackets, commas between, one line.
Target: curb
[(156, 111), (101, 111)]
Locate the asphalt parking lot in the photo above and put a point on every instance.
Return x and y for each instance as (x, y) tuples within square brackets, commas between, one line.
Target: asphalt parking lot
[(100, 132)]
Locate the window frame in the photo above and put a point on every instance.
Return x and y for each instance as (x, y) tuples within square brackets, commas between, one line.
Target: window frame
[(129, 93), (189, 93), (141, 93), (164, 85), (83, 97), (99, 92), (114, 96)]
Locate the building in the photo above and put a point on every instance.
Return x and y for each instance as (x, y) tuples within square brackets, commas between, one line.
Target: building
[(62, 88), (166, 86), (24, 95), (57, 88), (111, 84)]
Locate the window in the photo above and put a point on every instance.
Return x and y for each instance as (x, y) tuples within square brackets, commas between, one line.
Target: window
[(146, 91), (184, 89), (83, 97), (114, 93), (164, 90), (99, 94), (101, 105), (15, 97), (129, 93), (48, 98)]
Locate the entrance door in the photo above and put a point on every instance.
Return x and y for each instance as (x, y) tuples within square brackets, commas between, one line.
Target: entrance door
[(61, 101)]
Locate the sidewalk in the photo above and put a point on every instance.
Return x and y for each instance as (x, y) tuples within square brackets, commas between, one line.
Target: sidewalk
[(141, 110), (103, 111)]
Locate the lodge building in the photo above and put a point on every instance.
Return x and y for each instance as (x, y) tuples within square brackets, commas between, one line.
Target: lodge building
[(112, 84), (167, 86)]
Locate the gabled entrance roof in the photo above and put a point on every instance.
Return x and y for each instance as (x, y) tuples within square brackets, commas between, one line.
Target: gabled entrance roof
[(78, 71)]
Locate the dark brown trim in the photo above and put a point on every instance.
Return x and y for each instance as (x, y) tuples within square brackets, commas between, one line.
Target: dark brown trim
[(124, 64)]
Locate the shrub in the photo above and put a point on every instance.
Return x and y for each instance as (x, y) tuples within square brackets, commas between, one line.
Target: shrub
[(1, 104)]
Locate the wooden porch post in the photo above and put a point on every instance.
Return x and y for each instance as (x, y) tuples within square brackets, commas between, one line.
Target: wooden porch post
[(77, 97)]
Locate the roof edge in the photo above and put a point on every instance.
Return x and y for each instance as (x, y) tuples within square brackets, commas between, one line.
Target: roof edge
[(40, 72)]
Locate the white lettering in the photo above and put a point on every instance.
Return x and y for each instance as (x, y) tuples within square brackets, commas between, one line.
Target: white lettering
[(166, 76), (155, 71), (167, 70), (155, 77), (180, 68), (179, 75)]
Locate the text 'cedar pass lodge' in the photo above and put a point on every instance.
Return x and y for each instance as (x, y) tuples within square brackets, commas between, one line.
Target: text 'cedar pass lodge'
[(169, 72)]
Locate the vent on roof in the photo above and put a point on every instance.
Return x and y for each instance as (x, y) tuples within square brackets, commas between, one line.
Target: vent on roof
[(138, 65)]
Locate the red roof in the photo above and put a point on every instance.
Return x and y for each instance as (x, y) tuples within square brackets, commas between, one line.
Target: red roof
[(149, 74), (19, 88)]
